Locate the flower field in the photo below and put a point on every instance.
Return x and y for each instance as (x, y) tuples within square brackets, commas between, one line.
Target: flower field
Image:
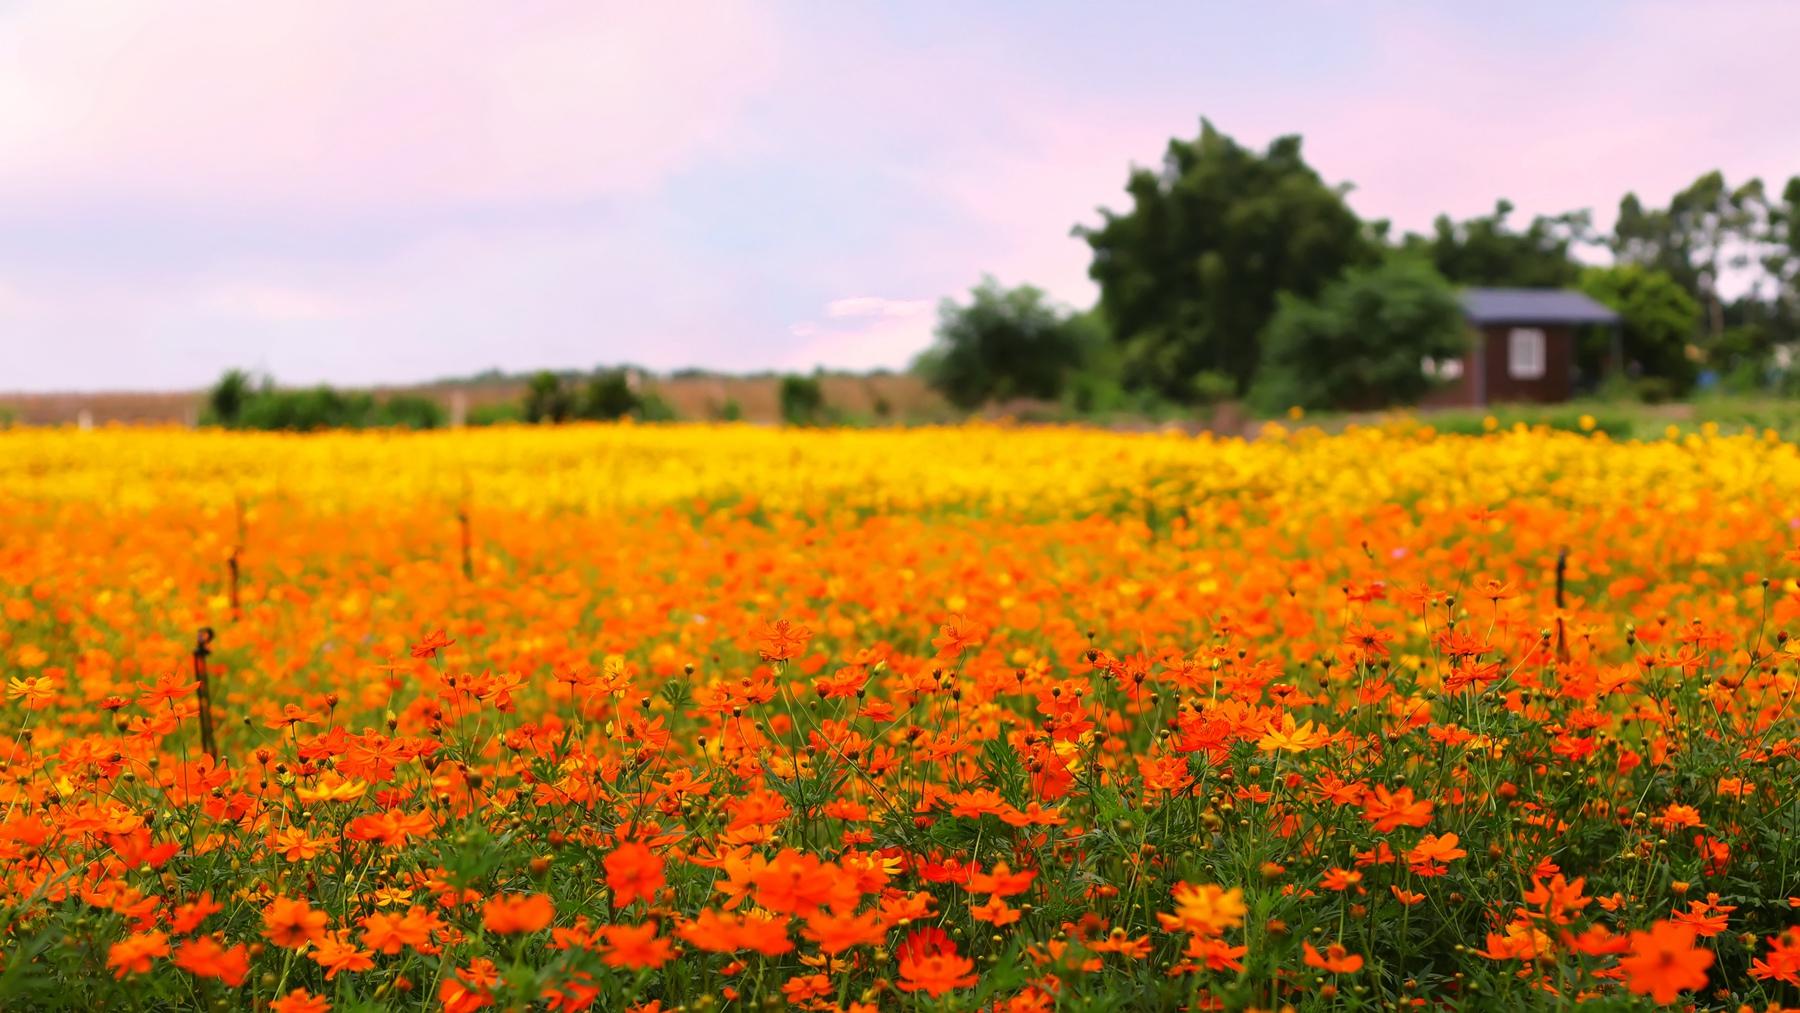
[(721, 718)]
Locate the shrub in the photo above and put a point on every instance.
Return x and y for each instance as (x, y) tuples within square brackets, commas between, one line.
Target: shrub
[(547, 398), (1006, 343), (497, 413), (607, 396), (1363, 343), (802, 400)]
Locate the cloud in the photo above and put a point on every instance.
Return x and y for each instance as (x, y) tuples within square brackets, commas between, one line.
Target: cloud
[(864, 332), (271, 302), (334, 103), (876, 306)]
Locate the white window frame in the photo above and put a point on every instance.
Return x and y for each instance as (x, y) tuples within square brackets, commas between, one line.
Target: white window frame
[(1525, 353)]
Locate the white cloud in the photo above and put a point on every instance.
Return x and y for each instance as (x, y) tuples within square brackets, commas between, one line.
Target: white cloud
[(271, 302), (397, 104), (875, 306)]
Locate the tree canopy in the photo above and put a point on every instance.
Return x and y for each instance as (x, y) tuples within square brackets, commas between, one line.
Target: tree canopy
[(1004, 343), (1484, 251), (1190, 274), (1658, 322), (1364, 341)]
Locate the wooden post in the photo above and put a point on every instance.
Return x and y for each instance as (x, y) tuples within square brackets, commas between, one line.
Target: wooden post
[(237, 611), (202, 648), (468, 559), (1562, 566)]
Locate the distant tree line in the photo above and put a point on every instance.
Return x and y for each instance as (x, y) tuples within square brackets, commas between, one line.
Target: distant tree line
[(238, 401), (1237, 273)]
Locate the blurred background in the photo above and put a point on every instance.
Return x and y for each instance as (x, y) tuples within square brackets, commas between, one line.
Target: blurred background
[(455, 213)]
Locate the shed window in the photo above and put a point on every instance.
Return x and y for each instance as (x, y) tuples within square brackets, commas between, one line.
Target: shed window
[(1525, 353)]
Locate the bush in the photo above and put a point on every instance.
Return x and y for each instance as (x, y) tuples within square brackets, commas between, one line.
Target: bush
[(547, 398), (225, 402), (1004, 344), (410, 411), (608, 396), (497, 413), (1363, 343), (1658, 319), (237, 403), (802, 400), (655, 408)]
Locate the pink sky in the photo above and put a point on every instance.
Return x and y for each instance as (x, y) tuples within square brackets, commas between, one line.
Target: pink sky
[(355, 192)]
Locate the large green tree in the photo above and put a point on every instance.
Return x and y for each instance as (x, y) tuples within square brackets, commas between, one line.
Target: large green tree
[(1708, 229), (1363, 343), (1659, 320), (1003, 343), (1485, 250), (1189, 274)]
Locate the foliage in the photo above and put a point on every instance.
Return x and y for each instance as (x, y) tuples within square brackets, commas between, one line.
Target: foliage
[(225, 401), (802, 400), (1659, 322), (1484, 251), (1005, 344), (1363, 342), (236, 402), (608, 395), (548, 398), (496, 413), (1190, 275)]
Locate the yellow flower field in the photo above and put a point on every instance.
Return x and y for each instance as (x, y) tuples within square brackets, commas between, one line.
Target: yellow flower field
[(721, 717)]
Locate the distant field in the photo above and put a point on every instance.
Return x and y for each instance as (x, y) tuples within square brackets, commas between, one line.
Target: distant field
[(692, 398)]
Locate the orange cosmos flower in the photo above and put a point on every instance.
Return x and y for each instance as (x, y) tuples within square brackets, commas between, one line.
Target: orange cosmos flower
[(336, 953), (301, 1001), (635, 946), (836, 933), (206, 958), (1001, 882), (510, 913), (633, 872), (293, 923), (392, 828), (435, 641), (1388, 810), (189, 916), (1432, 854), (958, 634), (390, 933), (1664, 962), (1335, 959), (781, 640), (1205, 910), (133, 954), (936, 973), (717, 932)]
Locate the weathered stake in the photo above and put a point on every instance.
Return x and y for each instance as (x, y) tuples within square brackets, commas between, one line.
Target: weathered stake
[(237, 611), (468, 559), (202, 648), (1562, 566)]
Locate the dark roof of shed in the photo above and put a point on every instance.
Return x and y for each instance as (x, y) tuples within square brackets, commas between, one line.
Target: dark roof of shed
[(1533, 306)]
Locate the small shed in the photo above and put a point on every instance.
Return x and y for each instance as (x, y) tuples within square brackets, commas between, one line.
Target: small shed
[(1523, 346)]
